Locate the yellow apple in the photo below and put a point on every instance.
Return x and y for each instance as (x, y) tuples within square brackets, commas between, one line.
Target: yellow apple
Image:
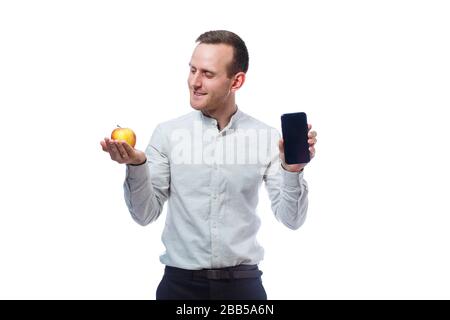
[(124, 134)]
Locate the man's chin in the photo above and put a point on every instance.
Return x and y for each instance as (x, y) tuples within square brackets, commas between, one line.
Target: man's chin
[(197, 106)]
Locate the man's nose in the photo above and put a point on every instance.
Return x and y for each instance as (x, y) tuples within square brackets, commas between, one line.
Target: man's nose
[(196, 80)]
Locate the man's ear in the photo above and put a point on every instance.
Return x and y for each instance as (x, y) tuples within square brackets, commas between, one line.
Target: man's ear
[(238, 81)]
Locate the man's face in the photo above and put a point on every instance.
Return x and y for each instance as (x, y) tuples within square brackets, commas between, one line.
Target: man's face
[(209, 85)]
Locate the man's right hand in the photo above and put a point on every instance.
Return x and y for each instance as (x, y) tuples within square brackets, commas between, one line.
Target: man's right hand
[(122, 152)]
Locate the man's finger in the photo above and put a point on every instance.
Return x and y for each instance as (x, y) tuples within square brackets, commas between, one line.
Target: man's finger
[(312, 134), (309, 126), (104, 146), (107, 144), (122, 151), (312, 141), (128, 149), (114, 153), (312, 152)]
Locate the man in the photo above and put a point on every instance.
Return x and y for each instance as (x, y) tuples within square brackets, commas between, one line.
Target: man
[(211, 183)]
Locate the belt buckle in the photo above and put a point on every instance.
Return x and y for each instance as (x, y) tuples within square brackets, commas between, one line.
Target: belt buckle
[(213, 274)]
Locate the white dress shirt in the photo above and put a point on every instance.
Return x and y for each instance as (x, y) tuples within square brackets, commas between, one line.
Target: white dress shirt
[(211, 180)]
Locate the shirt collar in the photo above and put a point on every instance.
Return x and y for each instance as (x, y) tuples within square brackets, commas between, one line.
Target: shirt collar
[(211, 121)]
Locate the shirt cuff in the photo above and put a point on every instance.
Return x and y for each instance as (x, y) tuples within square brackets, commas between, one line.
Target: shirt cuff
[(292, 179), (137, 172)]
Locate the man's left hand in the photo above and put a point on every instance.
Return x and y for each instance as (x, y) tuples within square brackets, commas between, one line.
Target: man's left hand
[(312, 152)]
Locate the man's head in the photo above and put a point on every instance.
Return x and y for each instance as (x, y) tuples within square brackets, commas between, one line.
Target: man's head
[(217, 70)]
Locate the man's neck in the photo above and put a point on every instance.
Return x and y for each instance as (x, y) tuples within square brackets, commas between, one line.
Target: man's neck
[(222, 115)]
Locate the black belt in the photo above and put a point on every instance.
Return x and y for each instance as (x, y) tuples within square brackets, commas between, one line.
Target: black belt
[(237, 272)]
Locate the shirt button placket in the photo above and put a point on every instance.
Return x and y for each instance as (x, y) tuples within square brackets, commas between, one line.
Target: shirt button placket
[(215, 211)]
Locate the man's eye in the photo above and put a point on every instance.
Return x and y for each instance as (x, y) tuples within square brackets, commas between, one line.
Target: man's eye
[(208, 75)]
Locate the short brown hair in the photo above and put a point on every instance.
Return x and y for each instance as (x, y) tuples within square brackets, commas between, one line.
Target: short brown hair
[(240, 53)]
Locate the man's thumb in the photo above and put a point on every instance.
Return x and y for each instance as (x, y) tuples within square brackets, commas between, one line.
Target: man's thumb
[(281, 145)]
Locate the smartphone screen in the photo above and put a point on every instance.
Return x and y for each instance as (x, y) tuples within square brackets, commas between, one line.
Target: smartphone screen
[(295, 135)]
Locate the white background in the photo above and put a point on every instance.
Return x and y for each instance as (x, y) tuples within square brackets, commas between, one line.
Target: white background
[(373, 76)]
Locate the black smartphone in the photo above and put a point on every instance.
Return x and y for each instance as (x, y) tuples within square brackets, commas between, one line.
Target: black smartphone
[(295, 135)]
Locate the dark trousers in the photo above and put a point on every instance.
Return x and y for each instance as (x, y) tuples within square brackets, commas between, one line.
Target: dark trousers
[(217, 284)]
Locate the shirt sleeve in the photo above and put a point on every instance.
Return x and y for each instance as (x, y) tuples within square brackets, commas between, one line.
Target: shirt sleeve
[(147, 186), (288, 193)]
